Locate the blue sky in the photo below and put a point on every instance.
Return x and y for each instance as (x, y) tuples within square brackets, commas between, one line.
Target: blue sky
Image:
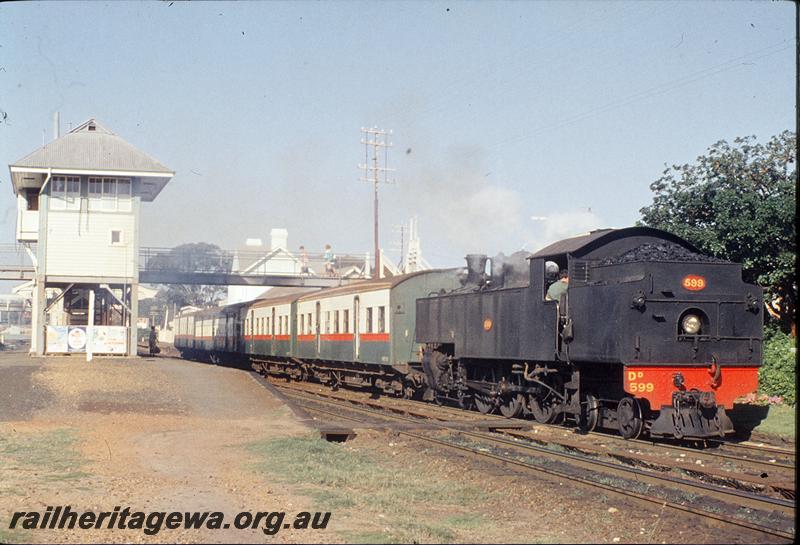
[(500, 111)]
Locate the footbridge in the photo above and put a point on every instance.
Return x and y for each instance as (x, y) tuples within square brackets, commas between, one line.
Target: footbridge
[(213, 266)]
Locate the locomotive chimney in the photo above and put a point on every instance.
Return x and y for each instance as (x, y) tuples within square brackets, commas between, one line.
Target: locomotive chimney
[(476, 265)]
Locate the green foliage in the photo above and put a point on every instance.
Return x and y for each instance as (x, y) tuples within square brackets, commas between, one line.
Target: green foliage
[(778, 375), (737, 202), (780, 421)]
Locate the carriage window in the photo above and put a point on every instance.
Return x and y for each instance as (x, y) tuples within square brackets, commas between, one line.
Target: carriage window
[(369, 319), (336, 321), (346, 321), (381, 319), (302, 323), (309, 323), (285, 325), (327, 321)]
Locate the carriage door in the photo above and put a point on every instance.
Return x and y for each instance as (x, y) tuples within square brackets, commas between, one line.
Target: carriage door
[(356, 339), (251, 327), (272, 334), (316, 326)]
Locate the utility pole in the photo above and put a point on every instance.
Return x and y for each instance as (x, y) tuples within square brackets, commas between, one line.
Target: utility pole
[(377, 138), (400, 245)]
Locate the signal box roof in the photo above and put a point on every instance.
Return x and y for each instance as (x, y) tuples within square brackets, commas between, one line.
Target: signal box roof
[(91, 149)]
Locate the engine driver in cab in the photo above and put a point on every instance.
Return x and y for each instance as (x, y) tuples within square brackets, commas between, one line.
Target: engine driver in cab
[(559, 287)]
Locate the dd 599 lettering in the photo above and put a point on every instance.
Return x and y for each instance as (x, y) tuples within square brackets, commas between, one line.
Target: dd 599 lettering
[(636, 384)]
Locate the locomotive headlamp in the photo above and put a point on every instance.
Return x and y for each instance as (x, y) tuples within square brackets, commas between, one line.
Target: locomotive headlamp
[(691, 324)]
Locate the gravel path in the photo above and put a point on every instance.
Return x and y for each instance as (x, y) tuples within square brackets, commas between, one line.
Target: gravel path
[(152, 434)]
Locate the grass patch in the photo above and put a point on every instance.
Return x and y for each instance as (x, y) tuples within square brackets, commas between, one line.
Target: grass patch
[(781, 420), (45, 456), (12, 536), (468, 522), (408, 506)]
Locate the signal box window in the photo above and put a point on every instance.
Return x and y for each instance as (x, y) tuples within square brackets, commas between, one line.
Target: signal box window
[(65, 192)]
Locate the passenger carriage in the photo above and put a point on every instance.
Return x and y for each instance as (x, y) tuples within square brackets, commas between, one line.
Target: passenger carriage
[(361, 334)]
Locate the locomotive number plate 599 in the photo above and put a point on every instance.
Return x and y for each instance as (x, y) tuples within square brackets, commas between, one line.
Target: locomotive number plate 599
[(636, 383), (694, 282)]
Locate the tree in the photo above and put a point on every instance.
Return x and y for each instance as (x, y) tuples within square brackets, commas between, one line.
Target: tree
[(737, 202), (192, 257)]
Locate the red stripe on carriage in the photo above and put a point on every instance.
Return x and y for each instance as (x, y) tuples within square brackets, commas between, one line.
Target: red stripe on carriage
[(337, 337), (374, 337)]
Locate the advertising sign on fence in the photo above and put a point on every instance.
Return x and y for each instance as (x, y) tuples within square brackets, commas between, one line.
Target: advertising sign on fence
[(74, 338), (109, 339), (56, 338)]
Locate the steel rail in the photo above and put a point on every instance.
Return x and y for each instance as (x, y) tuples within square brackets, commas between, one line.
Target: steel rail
[(626, 443), (750, 499), (770, 450), (559, 474)]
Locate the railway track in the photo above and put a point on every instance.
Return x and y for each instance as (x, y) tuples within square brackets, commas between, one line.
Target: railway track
[(749, 468), (731, 506)]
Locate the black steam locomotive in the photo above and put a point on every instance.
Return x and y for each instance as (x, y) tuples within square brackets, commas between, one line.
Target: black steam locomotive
[(650, 335)]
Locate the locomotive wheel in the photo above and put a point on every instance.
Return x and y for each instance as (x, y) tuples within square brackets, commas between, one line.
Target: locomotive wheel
[(590, 413), (543, 411), (484, 403), (464, 400), (511, 406), (629, 418), (545, 408)]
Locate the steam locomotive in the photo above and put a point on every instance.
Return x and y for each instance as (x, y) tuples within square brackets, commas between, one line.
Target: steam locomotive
[(650, 337)]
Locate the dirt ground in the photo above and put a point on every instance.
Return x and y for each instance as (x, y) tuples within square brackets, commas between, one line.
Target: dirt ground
[(162, 434)]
